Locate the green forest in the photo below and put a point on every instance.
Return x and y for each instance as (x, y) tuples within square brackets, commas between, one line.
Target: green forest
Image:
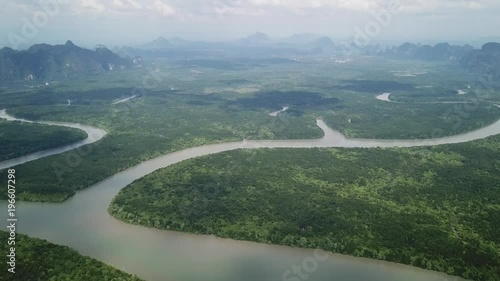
[(436, 208), (39, 260), (18, 139), (167, 121), (182, 109), (139, 132)]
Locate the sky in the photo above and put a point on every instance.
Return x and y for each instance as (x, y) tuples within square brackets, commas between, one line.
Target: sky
[(133, 22)]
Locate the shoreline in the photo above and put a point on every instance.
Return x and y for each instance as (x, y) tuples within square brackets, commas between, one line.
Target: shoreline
[(102, 193)]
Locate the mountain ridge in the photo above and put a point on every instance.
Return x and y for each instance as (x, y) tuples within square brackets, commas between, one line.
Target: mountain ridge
[(44, 61)]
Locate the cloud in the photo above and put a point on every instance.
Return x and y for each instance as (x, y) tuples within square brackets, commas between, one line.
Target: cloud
[(134, 4), (123, 8), (117, 3), (353, 5), (163, 8), (15, 7), (93, 5), (363, 6), (193, 9), (207, 18)]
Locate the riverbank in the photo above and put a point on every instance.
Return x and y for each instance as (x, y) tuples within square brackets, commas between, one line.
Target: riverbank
[(43, 261), (75, 217), (93, 135), (386, 204)]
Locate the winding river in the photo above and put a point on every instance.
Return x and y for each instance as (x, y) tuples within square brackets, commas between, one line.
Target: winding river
[(124, 100), (93, 135), (82, 222), (276, 113)]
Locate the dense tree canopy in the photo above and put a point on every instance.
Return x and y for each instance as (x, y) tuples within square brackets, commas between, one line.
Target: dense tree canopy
[(43, 261), (18, 139), (435, 208), (184, 106)]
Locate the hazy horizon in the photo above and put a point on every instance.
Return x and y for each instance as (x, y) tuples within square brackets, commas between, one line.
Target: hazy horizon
[(132, 22)]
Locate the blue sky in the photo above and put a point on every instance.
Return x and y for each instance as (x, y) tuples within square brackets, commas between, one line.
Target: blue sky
[(118, 22)]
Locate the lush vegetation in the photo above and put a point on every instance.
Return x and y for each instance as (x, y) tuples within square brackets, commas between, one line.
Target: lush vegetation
[(40, 260), (139, 131), (18, 139), (436, 208), (181, 105)]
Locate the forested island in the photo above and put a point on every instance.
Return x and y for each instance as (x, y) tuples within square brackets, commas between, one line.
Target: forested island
[(18, 139), (435, 208), (43, 261)]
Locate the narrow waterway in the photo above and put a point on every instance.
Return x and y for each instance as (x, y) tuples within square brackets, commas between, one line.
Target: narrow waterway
[(124, 100), (276, 113), (83, 223), (93, 135)]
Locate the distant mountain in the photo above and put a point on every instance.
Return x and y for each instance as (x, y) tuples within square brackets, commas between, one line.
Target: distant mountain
[(300, 39), (158, 43), (439, 52), (323, 42), (405, 50), (485, 61), (43, 61), (100, 46), (178, 41), (323, 45), (442, 51), (256, 39)]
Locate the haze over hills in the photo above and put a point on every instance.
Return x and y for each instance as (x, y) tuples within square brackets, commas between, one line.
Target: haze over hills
[(159, 43), (43, 61), (300, 38), (256, 39), (250, 140), (441, 51), (324, 44), (486, 60)]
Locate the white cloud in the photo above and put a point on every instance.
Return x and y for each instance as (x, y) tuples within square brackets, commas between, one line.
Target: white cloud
[(409, 6), (357, 5), (446, 6), (163, 8), (93, 5), (135, 4), (124, 7), (16, 7), (202, 8), (440, 18), (118, 3)]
